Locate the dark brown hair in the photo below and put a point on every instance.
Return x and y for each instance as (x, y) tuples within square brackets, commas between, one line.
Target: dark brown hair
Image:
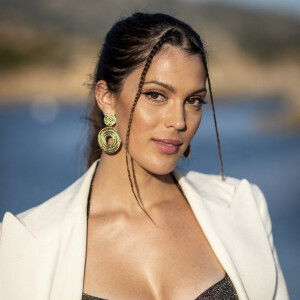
[(132, 43)]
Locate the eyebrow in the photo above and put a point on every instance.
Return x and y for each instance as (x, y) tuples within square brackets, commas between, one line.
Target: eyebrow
[(165, 85), (171, 88)]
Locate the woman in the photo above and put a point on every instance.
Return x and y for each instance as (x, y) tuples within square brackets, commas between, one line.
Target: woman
[(135, 226)]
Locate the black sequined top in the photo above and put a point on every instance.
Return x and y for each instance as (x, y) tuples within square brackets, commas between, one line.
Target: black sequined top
[(223, 289)]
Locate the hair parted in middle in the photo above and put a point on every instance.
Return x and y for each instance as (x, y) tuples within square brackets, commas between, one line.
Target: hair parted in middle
[(130, 44)]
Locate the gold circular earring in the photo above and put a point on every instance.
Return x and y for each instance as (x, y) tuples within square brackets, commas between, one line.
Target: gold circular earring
[(187, 152), (109, 132)]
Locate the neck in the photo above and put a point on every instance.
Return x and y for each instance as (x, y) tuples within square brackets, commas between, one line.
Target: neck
[(112, 189)]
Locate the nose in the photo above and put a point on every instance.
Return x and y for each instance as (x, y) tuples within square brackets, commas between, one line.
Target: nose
[(176, 117)]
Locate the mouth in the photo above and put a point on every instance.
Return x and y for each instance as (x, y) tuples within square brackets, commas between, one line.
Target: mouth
[(167, 146)]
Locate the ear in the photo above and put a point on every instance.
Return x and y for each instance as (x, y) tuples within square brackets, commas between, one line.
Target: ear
[(105, 99)]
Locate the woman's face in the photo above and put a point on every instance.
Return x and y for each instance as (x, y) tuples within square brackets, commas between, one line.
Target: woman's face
[(168, 111)]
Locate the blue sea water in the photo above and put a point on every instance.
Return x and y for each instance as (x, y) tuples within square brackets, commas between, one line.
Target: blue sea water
[(42, 152)]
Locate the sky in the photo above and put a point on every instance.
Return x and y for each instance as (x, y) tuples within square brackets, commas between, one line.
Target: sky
[(291, 7)]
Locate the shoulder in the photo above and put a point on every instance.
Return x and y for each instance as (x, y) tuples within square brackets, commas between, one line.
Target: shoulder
[(52, 210), (199, 178), (210, 187), (231, 192), (202, 181), (67, 204)]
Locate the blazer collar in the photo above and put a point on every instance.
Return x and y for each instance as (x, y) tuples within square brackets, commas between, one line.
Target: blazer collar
[(228, 215), (73, 201), (209, 187), (46, 246), (69, 203)]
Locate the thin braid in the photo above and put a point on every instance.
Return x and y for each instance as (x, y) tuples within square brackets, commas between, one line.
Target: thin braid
[(215, 119), (141, 83)]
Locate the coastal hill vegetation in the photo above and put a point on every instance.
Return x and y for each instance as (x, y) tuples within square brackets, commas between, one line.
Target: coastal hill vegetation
[(49, 48)]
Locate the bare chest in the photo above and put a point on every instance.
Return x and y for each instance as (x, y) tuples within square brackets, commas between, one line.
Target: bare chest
[(136, 260)]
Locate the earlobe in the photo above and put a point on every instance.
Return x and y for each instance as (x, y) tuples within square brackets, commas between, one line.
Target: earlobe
[(104, 98)]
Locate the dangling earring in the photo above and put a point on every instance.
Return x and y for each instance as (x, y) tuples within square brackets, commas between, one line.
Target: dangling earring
[(109, 120), (187, 152)]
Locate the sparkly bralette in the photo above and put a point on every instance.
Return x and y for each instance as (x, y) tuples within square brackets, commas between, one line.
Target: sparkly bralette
[(223, 289)]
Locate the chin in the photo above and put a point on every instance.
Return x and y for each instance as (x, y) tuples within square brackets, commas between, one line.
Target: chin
[(160, 166)]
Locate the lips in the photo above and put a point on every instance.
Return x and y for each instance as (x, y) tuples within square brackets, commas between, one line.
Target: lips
[(167, 146)]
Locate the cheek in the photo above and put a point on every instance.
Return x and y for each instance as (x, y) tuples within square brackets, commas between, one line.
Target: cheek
[(193, 123), (144, 119)]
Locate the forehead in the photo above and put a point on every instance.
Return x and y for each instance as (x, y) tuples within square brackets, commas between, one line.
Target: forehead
[(173, 66), (177, 65)]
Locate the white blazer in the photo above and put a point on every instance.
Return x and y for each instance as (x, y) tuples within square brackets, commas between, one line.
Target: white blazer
[(42, 250)]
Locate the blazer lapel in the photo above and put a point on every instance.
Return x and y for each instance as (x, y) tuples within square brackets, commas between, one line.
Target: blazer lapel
[(18, 246), (228, 216), (43, 252)]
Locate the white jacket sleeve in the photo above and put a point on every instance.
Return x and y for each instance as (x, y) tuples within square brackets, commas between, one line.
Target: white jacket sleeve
[(281, 292)]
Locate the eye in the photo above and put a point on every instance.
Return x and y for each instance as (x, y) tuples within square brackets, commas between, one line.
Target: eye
[(154, 96), (196, 101)]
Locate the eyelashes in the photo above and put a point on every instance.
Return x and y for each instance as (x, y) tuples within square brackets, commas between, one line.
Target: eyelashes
[(197, 101), (155, 96), (160, 98)]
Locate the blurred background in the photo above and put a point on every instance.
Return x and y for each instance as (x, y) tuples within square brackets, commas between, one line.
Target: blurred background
[(49, 49)]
